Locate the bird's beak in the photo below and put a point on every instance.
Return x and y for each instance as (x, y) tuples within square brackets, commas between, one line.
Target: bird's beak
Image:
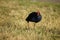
[(38, 13)]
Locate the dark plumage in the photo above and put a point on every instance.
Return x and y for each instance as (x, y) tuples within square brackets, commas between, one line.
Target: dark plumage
[(34, 17)]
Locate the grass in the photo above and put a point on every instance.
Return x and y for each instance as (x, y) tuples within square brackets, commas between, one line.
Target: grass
[(14, 27)]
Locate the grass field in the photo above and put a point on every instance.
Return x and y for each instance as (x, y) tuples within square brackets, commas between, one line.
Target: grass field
[(14, 27)]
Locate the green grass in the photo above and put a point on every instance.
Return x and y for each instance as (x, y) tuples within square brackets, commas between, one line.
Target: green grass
[(14, 27)]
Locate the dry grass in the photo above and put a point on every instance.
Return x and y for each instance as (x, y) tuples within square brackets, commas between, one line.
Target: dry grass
[(14, 27)]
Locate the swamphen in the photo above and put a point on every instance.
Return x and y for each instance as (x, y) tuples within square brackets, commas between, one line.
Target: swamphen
[(34, 17)]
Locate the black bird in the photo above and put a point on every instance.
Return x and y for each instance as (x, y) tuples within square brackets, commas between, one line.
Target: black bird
[(34, 17)]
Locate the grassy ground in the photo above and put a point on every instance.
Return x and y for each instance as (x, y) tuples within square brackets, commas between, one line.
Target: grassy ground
[(14, 27)]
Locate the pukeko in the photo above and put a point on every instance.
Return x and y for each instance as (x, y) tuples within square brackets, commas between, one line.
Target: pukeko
[(34, 17)]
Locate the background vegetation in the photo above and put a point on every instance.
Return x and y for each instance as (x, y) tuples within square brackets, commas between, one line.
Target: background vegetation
[(14, 27)]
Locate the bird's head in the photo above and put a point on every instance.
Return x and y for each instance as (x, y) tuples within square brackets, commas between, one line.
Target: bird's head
[(38, 12)]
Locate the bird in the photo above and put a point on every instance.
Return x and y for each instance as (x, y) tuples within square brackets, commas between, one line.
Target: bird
[(34, 17)]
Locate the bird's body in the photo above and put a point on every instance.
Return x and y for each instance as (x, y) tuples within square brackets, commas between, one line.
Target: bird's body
[(34, 17)]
